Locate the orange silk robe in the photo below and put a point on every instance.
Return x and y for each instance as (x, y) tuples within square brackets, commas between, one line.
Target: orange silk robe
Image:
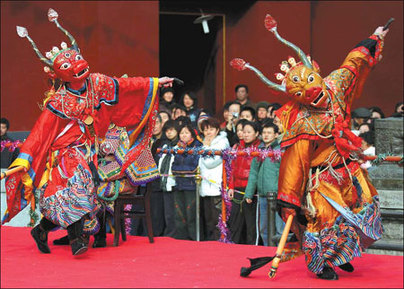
[(313, 178)]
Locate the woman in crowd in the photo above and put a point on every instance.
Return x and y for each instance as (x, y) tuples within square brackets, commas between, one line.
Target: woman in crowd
[(185, 189), (243, 215), (201, 117), (167, 99), (166, 216), (190, 102), (239, 132), (262, 108), (376, 112), (211, 172)]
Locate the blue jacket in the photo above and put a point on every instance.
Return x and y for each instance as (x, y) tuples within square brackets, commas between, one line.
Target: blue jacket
[(186, 164)]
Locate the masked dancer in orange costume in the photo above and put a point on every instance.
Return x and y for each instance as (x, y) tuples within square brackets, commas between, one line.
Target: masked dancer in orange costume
[(336, 208)]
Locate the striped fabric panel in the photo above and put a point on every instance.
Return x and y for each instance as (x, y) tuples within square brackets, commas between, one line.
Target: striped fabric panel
[(332, 246)]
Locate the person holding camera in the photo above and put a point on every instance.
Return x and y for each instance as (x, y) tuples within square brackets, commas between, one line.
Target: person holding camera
[(233, 117)]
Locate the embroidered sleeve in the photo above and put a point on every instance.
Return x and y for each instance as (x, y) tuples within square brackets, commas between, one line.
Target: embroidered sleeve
[(351, 76)]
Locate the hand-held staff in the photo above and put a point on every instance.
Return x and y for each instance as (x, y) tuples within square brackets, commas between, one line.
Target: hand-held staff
[(11, 171), (261, 261), (388, 23), (281, 245)]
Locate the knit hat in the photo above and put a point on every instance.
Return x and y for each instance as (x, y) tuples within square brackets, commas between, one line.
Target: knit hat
[(361, 112), (263, 104), (166, 89)]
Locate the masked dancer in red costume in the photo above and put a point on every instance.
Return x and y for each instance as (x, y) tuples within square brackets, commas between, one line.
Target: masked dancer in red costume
[(59, 157), (336, 208)]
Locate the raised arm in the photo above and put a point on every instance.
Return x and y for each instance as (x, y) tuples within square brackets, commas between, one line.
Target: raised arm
[(358, 63)]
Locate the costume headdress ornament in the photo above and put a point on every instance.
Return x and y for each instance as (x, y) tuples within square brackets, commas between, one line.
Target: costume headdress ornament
[(285, 66), (50, 55)]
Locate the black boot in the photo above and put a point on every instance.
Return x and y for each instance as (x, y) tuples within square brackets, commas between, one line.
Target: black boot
[(61, 241), (99, 242), (76, 240), (347, 267), (328, 274), (40, 234), (100, 239)]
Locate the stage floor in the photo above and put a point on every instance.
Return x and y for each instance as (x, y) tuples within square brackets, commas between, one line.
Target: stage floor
[(171, 263)]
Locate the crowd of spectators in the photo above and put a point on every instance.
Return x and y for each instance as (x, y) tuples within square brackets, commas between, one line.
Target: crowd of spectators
[(183, 124)]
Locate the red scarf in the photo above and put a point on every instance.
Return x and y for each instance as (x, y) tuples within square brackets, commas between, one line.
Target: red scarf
[(182, 144)]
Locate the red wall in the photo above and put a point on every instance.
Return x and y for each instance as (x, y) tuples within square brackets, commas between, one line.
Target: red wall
[(339, 26), (327, 30), (249, 39), (122, 37), (115, 37)]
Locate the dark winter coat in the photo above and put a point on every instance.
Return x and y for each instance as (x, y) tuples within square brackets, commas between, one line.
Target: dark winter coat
[(186, 164)]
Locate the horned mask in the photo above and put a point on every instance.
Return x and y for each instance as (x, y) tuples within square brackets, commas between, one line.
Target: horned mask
[(66, 62), (301, 81)]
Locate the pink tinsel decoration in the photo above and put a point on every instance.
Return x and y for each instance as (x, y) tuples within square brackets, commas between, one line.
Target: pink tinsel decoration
[(11, 145), (127, 220)]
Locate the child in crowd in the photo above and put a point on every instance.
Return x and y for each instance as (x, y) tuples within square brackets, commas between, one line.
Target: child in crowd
[(185, 189), (211, 172), (263, 178), (368, 141), (243, 215), (167, 182)]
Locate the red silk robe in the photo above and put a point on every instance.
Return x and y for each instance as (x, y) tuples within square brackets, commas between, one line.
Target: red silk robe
[(57, 153)]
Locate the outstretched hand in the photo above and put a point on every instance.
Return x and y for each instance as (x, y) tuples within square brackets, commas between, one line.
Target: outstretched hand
[(380, 32), (166, 81)]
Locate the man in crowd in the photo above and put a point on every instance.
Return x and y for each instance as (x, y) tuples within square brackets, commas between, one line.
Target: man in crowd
[(248, 113), (261, 111), (242, 95), (7, 155)]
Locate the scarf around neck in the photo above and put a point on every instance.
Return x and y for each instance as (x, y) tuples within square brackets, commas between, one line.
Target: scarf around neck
[(182, 144)]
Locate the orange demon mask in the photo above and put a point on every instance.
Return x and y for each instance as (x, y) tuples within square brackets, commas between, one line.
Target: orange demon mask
[(301, 81)]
